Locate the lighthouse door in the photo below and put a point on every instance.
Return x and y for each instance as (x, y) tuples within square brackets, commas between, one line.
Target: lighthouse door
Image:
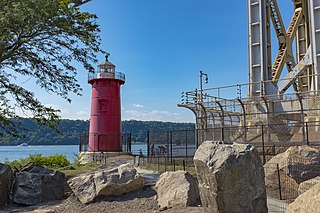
[(103, 142)]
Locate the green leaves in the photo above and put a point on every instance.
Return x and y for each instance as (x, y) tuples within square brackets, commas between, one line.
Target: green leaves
[(41, 39), (53, 161)]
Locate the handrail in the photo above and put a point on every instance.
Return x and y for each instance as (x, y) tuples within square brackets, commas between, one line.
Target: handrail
[(106, 75)]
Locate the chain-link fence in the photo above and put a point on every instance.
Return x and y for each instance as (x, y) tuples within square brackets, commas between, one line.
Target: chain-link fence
[(286, 179)]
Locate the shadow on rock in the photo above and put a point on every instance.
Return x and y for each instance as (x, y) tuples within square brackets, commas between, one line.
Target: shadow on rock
[(146, 192)]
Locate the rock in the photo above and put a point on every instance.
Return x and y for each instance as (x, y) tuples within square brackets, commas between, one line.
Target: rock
[(231, 178), (299, 162), (38, 185), (308, 202), (306, 185), (6, 176), (176, 189), (296, 165), (105, 181)]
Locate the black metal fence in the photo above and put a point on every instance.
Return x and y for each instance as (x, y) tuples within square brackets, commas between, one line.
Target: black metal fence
[(171, 144), (84, 142), (286, 132), (269, 139), (162, 164), (174, 150), (288, 178)]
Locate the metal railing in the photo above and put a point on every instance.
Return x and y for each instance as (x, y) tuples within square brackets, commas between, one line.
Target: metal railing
[(171, 144), (106, 75), (126, 142)]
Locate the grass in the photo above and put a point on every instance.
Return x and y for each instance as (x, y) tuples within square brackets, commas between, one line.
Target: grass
[(78, 169), (58, 162), (52, 161)]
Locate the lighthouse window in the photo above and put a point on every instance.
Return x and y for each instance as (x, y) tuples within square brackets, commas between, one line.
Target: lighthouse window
[(103, 105)]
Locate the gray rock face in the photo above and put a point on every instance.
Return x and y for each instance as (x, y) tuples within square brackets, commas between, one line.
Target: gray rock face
[(231, 178), (38, 185), (6, 176), (296, 165), (301, 163), (177, 189), (105, 181)]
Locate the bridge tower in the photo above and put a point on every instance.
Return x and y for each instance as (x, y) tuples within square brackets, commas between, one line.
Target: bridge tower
[(301, 59)]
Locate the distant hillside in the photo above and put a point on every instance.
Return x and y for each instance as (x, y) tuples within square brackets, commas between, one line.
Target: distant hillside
[(71, 129)]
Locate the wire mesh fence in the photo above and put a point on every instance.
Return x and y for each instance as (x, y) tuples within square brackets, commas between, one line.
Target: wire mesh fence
[(288, 178)]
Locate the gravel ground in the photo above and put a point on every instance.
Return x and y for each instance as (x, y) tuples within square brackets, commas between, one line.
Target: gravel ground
[(141, 201)]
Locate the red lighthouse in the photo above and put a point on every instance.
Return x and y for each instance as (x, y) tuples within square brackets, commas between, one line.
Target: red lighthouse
[(105, 117)]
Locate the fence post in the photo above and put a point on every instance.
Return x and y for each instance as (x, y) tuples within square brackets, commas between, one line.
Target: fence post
[(186, 144), (166, 153), (130, 140), (263, 151), (274, 149), (165, 164), (148, 144), (174, 165), (184, 165), (170, 146), (279, 182), (307, 134), (80, 145), (196, 136), (222, 134)]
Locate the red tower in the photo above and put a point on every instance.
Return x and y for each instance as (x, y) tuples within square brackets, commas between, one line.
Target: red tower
[(105, 117)]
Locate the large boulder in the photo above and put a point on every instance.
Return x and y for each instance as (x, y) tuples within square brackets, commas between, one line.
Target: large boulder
[(38, 185), (231, 178), (177, 189), (105, 181), (308, 202), (296, 165), (306, 185), (299, 162), (6, 176)]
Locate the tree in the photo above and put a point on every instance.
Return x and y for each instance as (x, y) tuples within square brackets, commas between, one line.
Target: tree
[(40, 39)]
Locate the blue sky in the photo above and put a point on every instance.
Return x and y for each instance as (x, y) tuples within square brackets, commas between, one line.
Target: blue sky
[(161, 46)]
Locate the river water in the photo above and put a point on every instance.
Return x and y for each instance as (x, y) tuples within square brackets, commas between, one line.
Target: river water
[(11, 153)]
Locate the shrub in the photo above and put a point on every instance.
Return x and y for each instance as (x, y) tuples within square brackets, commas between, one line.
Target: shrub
[(53, 161)]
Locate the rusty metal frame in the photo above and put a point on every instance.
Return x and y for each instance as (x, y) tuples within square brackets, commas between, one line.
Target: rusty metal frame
[(244, 118), (222, 118)]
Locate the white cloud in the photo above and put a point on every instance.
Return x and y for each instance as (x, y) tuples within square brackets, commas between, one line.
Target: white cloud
[(138, 105), (73, 114), (82, 115), (23, 113), (157, 115)]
